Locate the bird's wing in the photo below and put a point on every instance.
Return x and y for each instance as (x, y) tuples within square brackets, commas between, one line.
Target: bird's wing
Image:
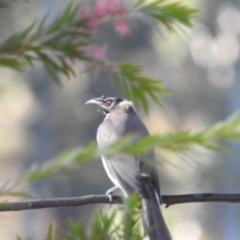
[(122, 170)]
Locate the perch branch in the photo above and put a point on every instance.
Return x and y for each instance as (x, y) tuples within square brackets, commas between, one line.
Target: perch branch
[(103, 199)]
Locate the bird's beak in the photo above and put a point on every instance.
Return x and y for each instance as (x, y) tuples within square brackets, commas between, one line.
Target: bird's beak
[(95, 101)]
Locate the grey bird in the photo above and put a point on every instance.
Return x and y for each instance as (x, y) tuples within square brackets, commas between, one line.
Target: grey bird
[(131, 172)]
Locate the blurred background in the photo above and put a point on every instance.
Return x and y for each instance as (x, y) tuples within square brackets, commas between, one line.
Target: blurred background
[(39, 120)]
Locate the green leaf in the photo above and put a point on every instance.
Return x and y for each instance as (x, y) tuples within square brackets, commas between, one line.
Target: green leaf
[(50, 233), (77, 229), (11, 62), (41, 26), (65, 18), (23, 35), (52, 72), (138, 4), (169, 13), (64, 162), (130, 223), (29, 59), (17, 194), (137, 86), (51, 44)]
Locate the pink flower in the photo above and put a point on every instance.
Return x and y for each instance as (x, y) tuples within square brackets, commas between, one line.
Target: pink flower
[(115, 7), (100, 8), (121, 27), (98, 53), (84, 13)]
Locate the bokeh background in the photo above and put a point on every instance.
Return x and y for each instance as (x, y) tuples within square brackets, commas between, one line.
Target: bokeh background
[(39, 120)]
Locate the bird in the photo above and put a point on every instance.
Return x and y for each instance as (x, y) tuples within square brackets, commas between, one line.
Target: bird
[(130, 172)]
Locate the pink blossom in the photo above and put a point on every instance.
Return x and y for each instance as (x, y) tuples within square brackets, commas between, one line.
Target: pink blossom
[(115, 7), (98, 53), (84, 13), (100, 8), (121, 27)]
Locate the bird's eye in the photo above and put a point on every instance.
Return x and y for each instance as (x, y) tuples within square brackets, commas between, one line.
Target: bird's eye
[(108, 102)]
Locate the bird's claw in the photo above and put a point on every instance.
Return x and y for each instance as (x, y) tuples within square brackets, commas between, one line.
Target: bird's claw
[(109, 193), (110, 197)]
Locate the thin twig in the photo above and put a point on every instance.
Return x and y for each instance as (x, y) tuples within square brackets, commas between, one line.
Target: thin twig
[(201, 197), (103, 199)]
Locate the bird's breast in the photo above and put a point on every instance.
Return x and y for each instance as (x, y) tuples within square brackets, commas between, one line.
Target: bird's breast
[(106, 134)]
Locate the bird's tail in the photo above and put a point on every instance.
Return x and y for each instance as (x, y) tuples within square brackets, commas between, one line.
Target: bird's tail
[(153, 221)]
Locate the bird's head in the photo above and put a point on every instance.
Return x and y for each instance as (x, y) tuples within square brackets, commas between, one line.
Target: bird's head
[(107, 104)]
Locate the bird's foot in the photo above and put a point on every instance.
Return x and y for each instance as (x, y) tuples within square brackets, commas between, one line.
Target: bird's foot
[(109, 193)]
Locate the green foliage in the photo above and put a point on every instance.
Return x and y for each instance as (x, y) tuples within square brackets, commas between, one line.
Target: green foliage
[(132, 215), (14, 63), (64, 41), (56, 45), (173, 141), (50, 234), (185, 140), (177, 141), (137, 86), (168, 13), (64, 162), (16, 194), (100, 229), (122, 223)]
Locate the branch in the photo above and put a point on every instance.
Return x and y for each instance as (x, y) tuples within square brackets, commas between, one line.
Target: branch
[(104, 199), (200, 197)]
